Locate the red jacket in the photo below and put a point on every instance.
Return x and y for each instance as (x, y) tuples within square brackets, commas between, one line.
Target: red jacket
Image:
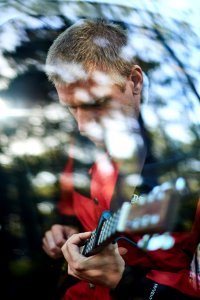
[(171, 267)]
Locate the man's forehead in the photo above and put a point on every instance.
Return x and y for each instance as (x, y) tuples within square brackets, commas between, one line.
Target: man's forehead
[(72, 73), (87, 89), (94, 77)]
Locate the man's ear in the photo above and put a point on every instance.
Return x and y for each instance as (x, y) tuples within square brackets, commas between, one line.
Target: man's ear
[(136, 77)]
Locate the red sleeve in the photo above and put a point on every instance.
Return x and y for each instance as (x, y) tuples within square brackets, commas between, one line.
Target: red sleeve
[(65, 204)]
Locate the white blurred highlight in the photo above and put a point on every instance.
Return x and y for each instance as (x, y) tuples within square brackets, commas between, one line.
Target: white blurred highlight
[(101, 42), (68, 72), (83, 95)]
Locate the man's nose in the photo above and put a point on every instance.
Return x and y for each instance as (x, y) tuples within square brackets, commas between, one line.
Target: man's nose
[(83, 118)]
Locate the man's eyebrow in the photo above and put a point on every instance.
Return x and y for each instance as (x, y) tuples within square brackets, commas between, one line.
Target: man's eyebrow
[(98, 101)]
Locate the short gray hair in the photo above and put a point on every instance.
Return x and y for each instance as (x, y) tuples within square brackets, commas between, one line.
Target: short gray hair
[(86, 46)]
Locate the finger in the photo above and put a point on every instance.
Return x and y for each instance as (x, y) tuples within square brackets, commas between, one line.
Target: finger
[(50, 245), (83, 275), (54, 252), (71, 249), (122, 251), (49, 240), (119, 250), (58, 234), (69, 231), (77, 239), (70, 272)]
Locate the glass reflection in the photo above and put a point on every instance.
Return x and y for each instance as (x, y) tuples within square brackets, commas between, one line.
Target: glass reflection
[(36, 131)]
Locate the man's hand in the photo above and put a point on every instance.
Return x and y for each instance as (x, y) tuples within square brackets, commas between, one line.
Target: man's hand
[(104, 268), (55, 238)]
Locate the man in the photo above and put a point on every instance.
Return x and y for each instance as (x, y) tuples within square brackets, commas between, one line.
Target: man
[(101, 85)]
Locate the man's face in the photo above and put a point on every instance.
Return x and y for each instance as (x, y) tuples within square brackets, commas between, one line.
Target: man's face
[(98, 105)]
